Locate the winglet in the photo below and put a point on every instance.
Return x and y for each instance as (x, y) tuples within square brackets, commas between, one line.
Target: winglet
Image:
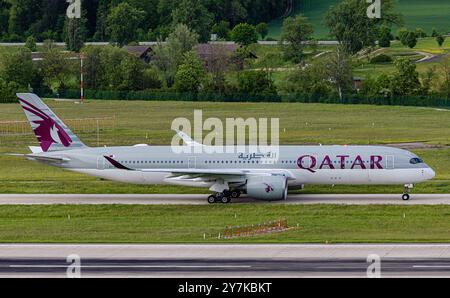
[(187, 139)]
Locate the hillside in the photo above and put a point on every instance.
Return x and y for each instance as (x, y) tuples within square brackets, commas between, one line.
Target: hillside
[(425, 14)]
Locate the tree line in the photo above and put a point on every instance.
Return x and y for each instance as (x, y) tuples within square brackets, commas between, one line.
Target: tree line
[(177, 67), (149, 19)]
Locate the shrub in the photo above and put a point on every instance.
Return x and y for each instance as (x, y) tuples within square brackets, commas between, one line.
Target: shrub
[(262, 29), (256, 83), (31, 44), (440, 40), (190, 74), (384, 37), (8, 91), (421, 33), (382, 58), (244, 34)]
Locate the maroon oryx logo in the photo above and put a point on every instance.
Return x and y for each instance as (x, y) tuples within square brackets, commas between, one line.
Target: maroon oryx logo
[(48, 131), (268, 188)]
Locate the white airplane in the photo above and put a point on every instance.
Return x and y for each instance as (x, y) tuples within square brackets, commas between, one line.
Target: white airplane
[(227, 175)]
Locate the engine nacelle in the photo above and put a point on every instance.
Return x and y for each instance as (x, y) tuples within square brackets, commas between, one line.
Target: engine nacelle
[(267, 188)]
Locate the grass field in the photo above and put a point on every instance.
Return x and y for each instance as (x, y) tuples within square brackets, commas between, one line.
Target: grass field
[(188, 224), (424, 14), (150, 122)]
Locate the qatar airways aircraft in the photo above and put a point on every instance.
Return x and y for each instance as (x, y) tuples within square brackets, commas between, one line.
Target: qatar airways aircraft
[(226, 175)]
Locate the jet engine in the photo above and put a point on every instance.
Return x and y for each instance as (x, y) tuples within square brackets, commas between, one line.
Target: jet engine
[(267, 188)]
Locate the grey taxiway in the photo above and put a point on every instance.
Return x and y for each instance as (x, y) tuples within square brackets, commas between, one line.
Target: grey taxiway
[(185, 199), (206, 261)]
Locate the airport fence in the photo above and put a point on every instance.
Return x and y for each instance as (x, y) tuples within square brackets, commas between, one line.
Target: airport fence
[(86, 125), (170, 95), (270, 227)]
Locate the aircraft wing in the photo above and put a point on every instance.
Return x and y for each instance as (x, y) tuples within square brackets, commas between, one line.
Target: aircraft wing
[(196, 174)]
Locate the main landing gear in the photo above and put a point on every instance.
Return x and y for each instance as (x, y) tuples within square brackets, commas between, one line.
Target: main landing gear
[(406, 196), (224, 197)]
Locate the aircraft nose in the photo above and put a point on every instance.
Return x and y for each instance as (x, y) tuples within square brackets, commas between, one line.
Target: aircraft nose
[(429, 173)]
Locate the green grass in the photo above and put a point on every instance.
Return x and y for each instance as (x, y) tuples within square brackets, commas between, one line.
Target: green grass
[(188, 224), (150, 122), (424, 14)]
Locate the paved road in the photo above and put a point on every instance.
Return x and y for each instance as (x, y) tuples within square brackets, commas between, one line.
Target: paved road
[(173, 199), (225, 260)]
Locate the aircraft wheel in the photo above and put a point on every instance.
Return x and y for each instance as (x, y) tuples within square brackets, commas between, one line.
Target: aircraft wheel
[(225, 200), (405, 197), (235, 194), (212, 199)]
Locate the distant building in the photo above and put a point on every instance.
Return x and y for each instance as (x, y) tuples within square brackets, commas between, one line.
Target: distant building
[(210, 53), (358, 83), (142, 52)]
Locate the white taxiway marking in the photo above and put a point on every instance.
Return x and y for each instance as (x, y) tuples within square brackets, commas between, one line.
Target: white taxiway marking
[(431, 266), (125, 266)]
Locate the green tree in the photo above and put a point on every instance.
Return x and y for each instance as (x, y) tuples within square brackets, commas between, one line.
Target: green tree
[(222, 29), (93, 68), (195, 15), (378, 86), (244, 34), (295, 33), (262, 29), (410, 39), (406, 78), (111, 67), (8, 90), (428, 79), (55, 66), (384, 37), (445, 84), (440, 40), (167, 57), (123, 22), (401, 34), (339, 71), (131, 70), (311, 81), (17, 67), (75, 34), (256, 83), (348, 22), (190, 74), (420, 33), (217, 66), (31, 44), (151, 79), (434, 32)]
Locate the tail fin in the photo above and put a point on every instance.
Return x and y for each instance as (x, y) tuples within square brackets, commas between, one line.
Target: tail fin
[(51, 132)]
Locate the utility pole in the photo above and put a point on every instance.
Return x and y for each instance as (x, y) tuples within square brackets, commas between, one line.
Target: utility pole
[(81, 78)]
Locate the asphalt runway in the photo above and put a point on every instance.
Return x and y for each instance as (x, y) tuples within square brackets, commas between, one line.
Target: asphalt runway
[(206, 261), (177, 199)]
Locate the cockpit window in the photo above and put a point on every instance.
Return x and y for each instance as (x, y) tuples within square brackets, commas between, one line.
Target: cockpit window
[(415, 161)]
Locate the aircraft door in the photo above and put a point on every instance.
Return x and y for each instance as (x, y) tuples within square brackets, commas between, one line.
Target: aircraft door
[(101, 163), (390, 162), (192, 162)]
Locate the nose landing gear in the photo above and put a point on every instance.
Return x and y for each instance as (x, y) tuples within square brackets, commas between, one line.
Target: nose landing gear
[(406, 196)]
